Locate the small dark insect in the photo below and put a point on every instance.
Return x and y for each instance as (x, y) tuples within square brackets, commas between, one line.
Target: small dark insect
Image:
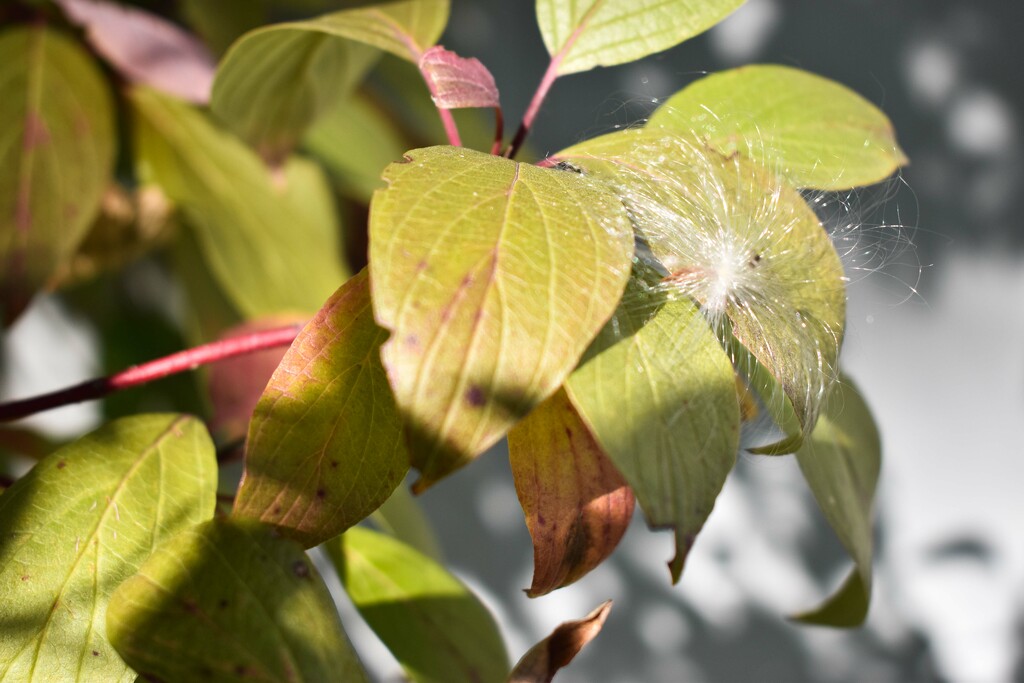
[(566, 166), (754, 260)]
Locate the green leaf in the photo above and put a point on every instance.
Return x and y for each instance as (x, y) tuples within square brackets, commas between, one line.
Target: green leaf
[(81, 522), (229, 601), (576, 503), (325, 445), (582, 35), (355, 141), (492, 276), (432, 623), (841, 462), (747, 248), (221, 22), (57, 151), (277, 80), (812, 131), (659, 394), (402, 516), (272, 244)]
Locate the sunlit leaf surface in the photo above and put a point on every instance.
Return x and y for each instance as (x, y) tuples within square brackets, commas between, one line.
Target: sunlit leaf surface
[(81, 522), (492, 276), (436, 628), (812, 131), (587, 33), (325, 445)]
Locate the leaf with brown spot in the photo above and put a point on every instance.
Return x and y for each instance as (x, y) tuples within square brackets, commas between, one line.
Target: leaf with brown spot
[(236, 384), (577, 505), (493, 276), (543, 660), (325, 443), (145, 48), (57, 151)]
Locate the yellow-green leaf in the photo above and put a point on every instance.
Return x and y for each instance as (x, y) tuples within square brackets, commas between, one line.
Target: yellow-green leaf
[(747, 248), (841, 461), (434, 626), (658, 392), (355, 141), (576, 503), (325, 444), (277, 80), (492, 276), (57, 153), (272, 243), (81, 522), (587, 33), (812, 131), (229, 601)]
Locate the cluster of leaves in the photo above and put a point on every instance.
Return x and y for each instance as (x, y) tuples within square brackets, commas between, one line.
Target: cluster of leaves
[(618, 311)]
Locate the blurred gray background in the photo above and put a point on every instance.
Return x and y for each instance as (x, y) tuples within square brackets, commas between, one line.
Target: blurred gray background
[(935, 340)]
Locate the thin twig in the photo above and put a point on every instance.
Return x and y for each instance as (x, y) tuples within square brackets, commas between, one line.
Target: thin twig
[(153, 370)]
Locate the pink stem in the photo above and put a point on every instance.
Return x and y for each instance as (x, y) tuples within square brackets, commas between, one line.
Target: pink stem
[(189, 359), (499, 131), (531, 112)]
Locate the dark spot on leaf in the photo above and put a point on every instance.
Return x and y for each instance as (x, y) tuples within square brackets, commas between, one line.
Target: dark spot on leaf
[(467, 280), (421, 266), (276, 510), (540, 520), (412, 341), (61, 465), (222, 603), (475, 396), (754, 260), (25, 577), (334, 464), (300, 569), (241, 671), (190, 606), (95, 653), (568, 433), (321, 494), (566, 166)]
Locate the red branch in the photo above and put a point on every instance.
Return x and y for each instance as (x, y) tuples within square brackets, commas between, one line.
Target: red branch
[(189, 359)]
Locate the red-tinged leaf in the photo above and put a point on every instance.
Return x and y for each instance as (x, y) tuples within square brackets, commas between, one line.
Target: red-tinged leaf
[(543, 660), (236, 384), (145, 48), (576, 503), (458, 82), (325, 442), (57, 147)]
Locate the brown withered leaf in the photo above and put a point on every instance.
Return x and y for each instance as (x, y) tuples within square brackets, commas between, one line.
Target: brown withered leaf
[(576, 503), (146, 49), (543, 660), (236, 384)]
